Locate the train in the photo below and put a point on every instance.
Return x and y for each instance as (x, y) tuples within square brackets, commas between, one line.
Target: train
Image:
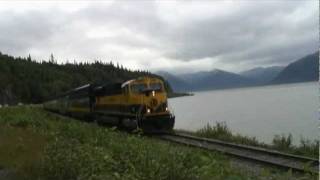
[(139, 103)]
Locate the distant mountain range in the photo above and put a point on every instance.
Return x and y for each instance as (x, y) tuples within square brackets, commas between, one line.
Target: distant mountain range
[(177, 84), (262, 74), (215, 79), (206, 80), (304, 69)]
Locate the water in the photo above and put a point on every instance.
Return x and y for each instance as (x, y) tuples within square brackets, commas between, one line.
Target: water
[(257, 111)]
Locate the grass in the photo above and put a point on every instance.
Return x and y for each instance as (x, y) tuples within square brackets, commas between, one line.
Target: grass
[(19, 144), (35, 144), (39, 145), (280, 142)]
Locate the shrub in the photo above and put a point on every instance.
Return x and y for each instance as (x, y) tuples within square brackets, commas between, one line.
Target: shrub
[(282, 142), (220, 130)]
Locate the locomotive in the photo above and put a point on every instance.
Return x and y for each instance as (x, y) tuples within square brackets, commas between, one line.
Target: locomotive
[(137, 103)]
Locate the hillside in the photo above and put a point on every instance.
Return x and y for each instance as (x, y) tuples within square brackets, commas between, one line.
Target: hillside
[(177, 84), (28, 81), (304, 69), (262, 74), (206, 80), (215, 79)]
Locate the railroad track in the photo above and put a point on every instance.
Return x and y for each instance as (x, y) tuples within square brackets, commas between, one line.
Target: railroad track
[(259, 155)]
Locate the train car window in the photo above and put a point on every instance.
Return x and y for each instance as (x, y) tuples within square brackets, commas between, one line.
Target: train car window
[(156, 86), (138, 88)]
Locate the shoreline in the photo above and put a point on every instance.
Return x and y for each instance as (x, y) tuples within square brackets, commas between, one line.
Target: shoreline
[(179, 94)]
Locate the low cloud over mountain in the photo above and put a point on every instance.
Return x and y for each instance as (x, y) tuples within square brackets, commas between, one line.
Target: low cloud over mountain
[(302, 70)]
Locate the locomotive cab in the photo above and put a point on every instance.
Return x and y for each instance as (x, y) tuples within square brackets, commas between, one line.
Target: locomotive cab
[(146, 92), (148, 100)]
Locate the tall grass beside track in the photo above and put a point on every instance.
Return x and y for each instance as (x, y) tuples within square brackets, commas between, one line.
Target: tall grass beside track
[(280, 142), (35, 144)]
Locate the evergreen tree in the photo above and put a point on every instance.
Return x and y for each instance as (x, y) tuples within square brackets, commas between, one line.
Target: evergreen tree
[(35, 82), (29, 58)]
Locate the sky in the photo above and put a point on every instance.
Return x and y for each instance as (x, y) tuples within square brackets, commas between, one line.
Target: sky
[(173, 36)]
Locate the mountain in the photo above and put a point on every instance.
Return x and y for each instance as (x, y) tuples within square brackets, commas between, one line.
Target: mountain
[(205, 80), (304, 69), (215, 79), (177, 84), (262, 74)]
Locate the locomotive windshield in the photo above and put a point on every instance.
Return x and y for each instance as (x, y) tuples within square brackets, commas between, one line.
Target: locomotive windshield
[(138, 88), (156, 86)]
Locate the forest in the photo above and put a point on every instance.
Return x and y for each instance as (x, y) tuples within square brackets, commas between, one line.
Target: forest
[(25, 80)]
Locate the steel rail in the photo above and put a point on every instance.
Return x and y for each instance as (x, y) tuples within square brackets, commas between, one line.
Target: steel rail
[(256, 154)]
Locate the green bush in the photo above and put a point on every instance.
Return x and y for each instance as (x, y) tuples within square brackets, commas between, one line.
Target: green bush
[(280, 142), (221, 131)]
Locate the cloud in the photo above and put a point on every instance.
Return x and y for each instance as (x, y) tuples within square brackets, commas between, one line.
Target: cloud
[(253, 29), (178, 36)]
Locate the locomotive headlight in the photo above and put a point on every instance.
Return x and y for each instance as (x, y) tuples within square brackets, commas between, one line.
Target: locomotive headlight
[(148, 110), (167, 109), (153, 93)]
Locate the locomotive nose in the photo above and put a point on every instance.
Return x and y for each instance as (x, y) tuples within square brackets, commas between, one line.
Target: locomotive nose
[(153, 102), (146, 92)]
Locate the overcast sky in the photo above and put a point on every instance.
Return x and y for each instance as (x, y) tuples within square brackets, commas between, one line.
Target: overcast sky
[(184, 36)]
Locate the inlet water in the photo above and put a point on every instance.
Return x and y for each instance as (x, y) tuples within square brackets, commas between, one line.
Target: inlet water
[(257, 111)]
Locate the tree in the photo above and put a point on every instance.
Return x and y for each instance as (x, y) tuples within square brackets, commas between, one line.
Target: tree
[(35, 81), (51, 59), (29, 58)]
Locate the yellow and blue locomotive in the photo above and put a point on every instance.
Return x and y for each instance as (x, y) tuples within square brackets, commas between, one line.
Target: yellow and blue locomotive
[(138, 103)]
